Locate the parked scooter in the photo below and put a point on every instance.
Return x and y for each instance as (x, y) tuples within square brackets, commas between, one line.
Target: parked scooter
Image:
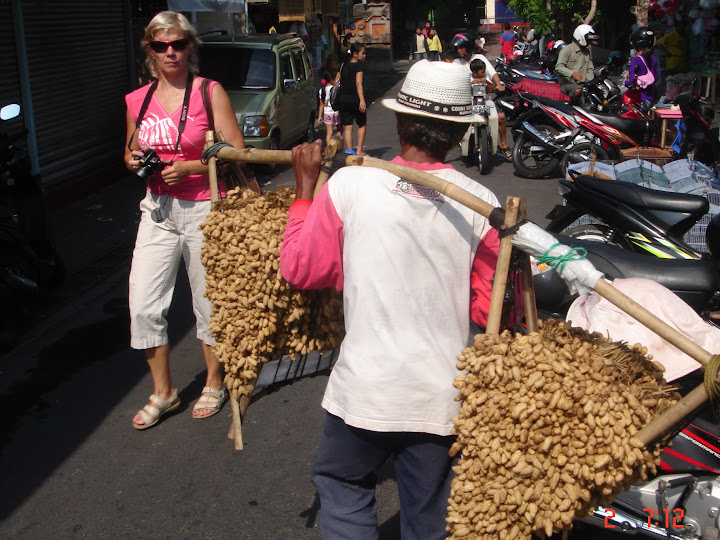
[(680, 502), (481, 140), (29, 263), (635, 218), (640, 234), (557, 134)]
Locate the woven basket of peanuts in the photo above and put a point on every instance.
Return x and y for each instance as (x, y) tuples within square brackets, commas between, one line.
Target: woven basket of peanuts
[(258, 316), (545, 429)]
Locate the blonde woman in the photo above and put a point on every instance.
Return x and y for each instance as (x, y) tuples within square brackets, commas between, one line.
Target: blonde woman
[(168, 117)]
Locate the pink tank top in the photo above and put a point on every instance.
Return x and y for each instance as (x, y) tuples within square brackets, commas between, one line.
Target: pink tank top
[(159, 131)]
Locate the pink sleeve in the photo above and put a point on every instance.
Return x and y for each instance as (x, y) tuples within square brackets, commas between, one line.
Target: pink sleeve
[(481, 276), (311, 254)]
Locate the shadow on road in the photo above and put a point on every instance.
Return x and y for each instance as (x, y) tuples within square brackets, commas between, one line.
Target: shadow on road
[(74, 385)]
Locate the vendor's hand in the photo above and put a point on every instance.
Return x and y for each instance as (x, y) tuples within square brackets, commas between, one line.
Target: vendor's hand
[(175, 172), (576, 75), (134, 163), (362, 105), (306, 160), (500, 87)]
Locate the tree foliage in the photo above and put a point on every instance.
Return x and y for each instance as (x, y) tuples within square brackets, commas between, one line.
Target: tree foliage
[(552, 16)]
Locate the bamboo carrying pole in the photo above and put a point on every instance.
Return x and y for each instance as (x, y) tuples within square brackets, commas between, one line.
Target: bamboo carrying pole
[(528, 287), (660, 425), (502, 268)]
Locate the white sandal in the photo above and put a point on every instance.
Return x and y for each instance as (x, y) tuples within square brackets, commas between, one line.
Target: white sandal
[(153, 411), (212, 402)]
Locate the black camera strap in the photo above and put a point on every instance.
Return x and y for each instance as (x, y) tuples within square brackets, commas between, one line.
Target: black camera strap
[(183, 114)]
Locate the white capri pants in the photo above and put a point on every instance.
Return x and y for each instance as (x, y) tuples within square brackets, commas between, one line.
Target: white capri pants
[(156, 259)]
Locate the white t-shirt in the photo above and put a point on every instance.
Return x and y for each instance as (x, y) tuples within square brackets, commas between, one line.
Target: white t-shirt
[(420, 47), (489, 69), (398, 361)]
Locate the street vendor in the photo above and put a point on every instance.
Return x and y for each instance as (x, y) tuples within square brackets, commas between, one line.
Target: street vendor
[(574, 66), (415, 268)]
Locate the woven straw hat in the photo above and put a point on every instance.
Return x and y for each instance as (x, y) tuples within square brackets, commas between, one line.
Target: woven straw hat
[(438, 90)]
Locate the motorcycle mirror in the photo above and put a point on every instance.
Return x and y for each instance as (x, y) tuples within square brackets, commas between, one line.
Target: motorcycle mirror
[(8, 112)]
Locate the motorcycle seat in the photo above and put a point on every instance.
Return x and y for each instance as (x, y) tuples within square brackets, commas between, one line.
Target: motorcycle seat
[(642, 197), (695, 281), (563, 106), (634, 127)]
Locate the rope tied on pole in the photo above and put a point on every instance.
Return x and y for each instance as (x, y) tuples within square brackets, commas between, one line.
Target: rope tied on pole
[(573, 254), (712, 387), (212, 151)]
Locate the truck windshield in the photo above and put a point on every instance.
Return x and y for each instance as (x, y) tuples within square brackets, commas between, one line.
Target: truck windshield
[(238, 68)]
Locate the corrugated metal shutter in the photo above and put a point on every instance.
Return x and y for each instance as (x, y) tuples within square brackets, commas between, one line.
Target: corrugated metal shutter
[(78, 65), (9, 80)]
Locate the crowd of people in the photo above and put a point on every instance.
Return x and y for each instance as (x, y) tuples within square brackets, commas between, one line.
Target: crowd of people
[(425, 44)]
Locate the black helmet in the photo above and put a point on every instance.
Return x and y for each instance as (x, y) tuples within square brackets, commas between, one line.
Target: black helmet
[(642, 36), (462, 40), (616, 60)]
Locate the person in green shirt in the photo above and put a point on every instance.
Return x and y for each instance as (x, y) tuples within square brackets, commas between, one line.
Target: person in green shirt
[(574, 66)]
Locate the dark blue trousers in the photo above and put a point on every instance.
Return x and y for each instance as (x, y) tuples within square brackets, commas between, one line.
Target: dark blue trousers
[(344, 474)]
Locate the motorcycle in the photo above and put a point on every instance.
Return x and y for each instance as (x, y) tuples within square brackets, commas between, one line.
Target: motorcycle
[(640, 234), (635, 218), (602, 94), (681, 501), (29, 264), (481, 139), (558, 134)]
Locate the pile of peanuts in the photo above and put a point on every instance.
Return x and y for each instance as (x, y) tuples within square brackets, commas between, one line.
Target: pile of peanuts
[(546, 429), (257, 315)]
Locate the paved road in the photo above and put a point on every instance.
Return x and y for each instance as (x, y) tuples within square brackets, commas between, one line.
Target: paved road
[(70, 463)]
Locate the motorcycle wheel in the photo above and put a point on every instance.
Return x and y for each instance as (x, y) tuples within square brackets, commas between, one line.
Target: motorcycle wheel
[(483, 151), (597, 232), (530, 164), (472, 154), (582, 153)]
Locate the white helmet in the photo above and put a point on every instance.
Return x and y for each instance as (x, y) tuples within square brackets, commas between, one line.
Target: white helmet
[(585, 34)]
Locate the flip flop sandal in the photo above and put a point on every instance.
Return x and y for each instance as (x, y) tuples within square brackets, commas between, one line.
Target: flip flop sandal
[(506, 152), (212, 402), (152, 412)]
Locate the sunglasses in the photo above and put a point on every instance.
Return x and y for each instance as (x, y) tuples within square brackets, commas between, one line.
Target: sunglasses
[(162, 46)]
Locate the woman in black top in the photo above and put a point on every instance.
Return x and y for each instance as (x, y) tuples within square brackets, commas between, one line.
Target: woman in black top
[(352, 97)]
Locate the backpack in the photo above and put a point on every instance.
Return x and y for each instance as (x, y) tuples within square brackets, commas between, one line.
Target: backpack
[(335, 93)]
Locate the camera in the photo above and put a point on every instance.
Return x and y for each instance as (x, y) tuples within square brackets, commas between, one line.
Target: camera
[(150, 163)]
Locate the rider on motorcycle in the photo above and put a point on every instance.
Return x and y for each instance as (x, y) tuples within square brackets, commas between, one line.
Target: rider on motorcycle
[(463, 45), (574, 65)]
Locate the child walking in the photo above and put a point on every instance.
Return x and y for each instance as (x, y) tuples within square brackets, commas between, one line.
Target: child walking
[(326, 114)]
